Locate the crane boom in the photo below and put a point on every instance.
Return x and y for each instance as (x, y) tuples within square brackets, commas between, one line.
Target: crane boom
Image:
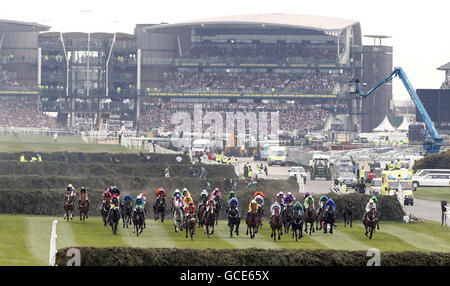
[(433, 140)]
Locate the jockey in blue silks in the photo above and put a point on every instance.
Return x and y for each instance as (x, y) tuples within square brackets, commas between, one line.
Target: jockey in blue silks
[(231, 203), (329, 203)]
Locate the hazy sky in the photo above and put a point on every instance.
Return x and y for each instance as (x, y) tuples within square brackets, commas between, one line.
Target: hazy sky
[(420, 30)]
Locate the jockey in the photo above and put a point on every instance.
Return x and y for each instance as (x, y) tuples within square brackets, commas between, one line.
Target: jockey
[(298, 206), (127, 196), (187, 199), (260, 200), (211, 203), (71, 189), (185, 191), (190, 210), (233, 203), (259, 194), (215, 193), (177, 200), (143, 197), (231, 195), (276, 204), (160, 192), (323, 199), (288, 199), (106, 196), (252, 203), (139, 205), (114, 202), (203, 198), (116, 191), (375, 200), (177, 191), (309, 200), (83, 191), (370, 205), (330, 203)]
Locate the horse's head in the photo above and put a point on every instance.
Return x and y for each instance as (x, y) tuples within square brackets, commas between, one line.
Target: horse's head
[(277, 211)]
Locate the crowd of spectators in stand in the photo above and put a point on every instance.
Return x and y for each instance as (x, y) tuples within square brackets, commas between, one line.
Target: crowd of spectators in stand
[(24, 112), (251, 81), (269, 51), (446, 84), (5, 79), (291, 116)]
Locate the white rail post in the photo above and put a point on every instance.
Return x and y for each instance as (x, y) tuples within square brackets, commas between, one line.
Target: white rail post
[(52, 254)]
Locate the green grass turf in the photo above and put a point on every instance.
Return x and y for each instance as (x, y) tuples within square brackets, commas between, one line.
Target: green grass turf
[(25, 240), (433, 193), (40, 143)]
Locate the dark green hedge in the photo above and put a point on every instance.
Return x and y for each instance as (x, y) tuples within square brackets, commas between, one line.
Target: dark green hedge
[(152, 170), (438, 161), (121, 256), (79, 157)]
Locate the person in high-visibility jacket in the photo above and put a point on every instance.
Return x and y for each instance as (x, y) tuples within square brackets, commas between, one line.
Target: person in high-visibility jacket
[(391, 166), (22, 158), (33, 159), (218, 158), (39, 158), (230, 160), (224, 159), (399, 165)]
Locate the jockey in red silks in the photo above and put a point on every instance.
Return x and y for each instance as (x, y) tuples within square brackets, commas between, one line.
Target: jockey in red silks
[(160, 192)]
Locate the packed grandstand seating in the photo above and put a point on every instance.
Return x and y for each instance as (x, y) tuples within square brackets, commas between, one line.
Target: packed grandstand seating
[(252, 81), (267, 51), (23, 112), (292, 116)]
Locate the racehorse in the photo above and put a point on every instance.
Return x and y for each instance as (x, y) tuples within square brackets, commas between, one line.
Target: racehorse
[(329, 219), (159, 207), (138, 221), (252, 222), (217, 208), (178, 216), (68, 207), (200, 211), (276, 223), (287, 218), (190, 226), (370, 222), (210, 219), (83, 208), (297, 225), (348, 214), (233, 220), (320, 218), (309, 217), (114, 217), (104, 211), (127, 212)]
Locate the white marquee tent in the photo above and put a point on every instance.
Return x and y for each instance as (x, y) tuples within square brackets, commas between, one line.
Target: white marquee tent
[(385, 126)]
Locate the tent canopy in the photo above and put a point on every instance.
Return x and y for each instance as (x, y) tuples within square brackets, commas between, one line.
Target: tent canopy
[(384, 126), (404, 126)]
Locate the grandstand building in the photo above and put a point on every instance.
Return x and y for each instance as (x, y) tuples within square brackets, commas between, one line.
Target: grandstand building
[(299, 63)]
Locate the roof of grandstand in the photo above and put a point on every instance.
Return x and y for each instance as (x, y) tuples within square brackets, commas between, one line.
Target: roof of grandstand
[(275, 20), (17, 26), (444, 67)]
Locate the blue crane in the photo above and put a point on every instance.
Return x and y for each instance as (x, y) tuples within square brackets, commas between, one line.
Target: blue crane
[(433, 140)]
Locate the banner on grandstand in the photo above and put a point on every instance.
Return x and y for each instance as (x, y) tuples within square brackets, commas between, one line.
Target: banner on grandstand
[(18, 91), (269, 95)]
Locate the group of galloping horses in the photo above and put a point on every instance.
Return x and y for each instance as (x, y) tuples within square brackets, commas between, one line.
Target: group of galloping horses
[(69, 207), (281, 222)]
